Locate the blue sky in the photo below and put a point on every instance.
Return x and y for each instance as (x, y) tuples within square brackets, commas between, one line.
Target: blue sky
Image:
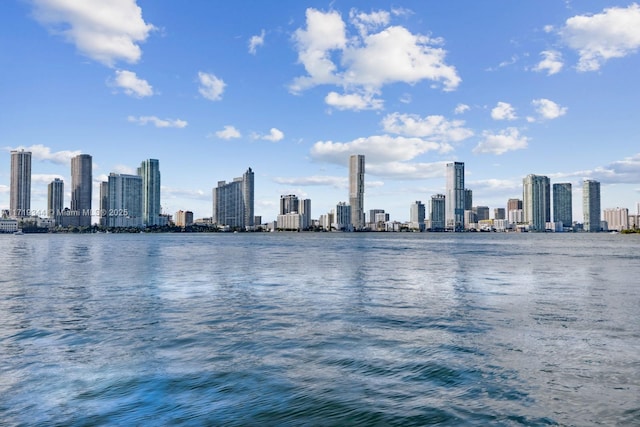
[(292, 88)]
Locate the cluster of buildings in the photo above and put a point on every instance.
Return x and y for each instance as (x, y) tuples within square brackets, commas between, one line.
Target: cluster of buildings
[(133, 201)]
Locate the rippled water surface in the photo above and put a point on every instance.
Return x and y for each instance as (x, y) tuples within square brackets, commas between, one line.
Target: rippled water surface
[(320, 329)]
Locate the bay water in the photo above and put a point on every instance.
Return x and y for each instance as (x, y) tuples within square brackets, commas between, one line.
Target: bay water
[(320, 329)]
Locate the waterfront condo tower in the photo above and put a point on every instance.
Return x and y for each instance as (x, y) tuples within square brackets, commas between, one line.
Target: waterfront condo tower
[(20, 190), (233, 202), (124, 201), (149, 170), (562, 204), (55, 198), (536, 201), (455, 197), (437, 213), (356, 190), (81, 184), (591, 205)]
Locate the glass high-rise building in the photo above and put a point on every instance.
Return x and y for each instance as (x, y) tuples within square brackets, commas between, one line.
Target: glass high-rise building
[(536, 201), (437, 214), (356, 190), (149, 170), (81, 184), (562, 204), (124, 201), (233, 202), (55, 198), (417, 215), (455, 197), (289, 204), (591, 205), (20, 186)]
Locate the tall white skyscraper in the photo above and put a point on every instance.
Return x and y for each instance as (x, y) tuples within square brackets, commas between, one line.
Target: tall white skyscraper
[(455, 197), (81, 185), (124, 201), (356, 190), (591, 205), (149, 170), (20, 186), (536, 200), (233, 202)]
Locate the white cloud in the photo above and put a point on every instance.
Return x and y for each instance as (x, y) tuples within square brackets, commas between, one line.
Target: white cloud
[(503, 111), (211, 87), (614, 33), (44, 178), (317, 180), (432, 127), (354, 101), (256, 41), (366, 22), (506, 140), (41, 152), (123, 169), (406, 98), (405, 170), (548, 109), (377, 149), (104, 31), (157, 122), (4, 189), (408, 58), (275, 135), (551, 62), (461, 108), (229, 132), (178, 193), (132, 85)]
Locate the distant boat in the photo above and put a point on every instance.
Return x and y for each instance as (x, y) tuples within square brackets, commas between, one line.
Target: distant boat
[(18, 233)]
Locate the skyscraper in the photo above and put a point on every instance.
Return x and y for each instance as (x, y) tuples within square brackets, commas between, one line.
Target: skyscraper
[(233, 202), (304, 208), (562, 204), (437, 213), (55, 198), (356, 190), (343, 216), (499, 213), (289, 204), (536, 201), (417, 215), (20, 191), (455, 197), (81, 183), (591, 205), (149, 170), (124, 200), (468, 200)]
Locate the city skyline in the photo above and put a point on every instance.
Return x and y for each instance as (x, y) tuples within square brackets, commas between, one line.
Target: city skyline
[(293, 89)]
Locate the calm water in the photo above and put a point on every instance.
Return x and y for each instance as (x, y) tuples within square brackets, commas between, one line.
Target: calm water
[(320, 329)]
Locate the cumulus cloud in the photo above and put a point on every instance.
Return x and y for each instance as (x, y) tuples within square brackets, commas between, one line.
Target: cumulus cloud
[(44, 178), (377, 149), (229, 132), (503, 111), (316, 180), (506, 140), (548, 109), (625, 171), (551, 62), (354, 101), (104, 31), (157, 122), (461, 108), (132, 84), (274, 135), (211, 87), (41, 152), (255, 42), (613, 33), (404, 170), (435, 127), (408, 58), (366, 22)]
